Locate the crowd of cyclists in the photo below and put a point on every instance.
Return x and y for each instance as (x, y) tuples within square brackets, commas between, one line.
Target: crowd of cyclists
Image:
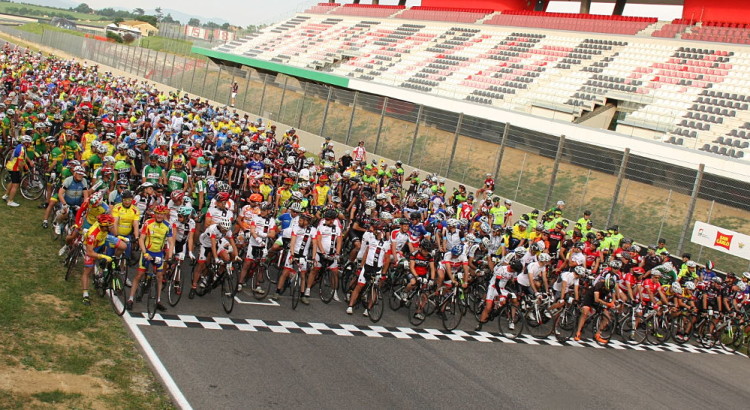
[(132, 172)]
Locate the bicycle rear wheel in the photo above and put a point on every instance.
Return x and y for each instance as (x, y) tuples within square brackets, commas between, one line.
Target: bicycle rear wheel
[(417, 304), (681, 329), (175, 285), (605, 332), (117, 295), (228, 289), (538, 324), (510, 324), (377, 303), (151, 295), (565, 324), (659, 330), (272, 278), (451, 313), (394, 299), (32, 186), (257, 281), (326, 286), (294, 288), (72, 261), (632, 334), (5, 178)]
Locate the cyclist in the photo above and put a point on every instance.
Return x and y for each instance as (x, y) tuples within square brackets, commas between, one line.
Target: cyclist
[(595, 299), (497, 293), (18, 163), (99, 244), (299, 248), (375, 260), (127, 218), (260, 229), (452, 262), (327, 248), (422, 268), (157, 243), (210, 241)]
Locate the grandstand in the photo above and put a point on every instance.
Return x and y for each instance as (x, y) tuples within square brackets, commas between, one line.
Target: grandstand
[(639, 72)]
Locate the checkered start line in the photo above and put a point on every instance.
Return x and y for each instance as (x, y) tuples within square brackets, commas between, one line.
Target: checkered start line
[(256, 325)]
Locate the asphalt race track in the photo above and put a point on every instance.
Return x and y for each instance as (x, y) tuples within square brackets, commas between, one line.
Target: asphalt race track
[(269, 355)]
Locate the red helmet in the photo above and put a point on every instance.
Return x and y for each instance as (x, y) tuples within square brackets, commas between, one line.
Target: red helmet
[(323, 178), (222, 196), (161, 209), (256, 198), (105, 219), (177, 195), (288, 181)]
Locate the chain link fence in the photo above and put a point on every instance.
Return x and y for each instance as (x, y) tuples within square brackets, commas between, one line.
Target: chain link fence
[(647, 198)]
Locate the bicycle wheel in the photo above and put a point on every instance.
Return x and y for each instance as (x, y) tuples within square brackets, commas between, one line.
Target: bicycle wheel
[(347, 276), (432, 302), (659, 330), (228, 289), (462, 302), (510, 324), (605, 332), (117, 294), (258, 280), (681, 329), (538, 324), (394, 299), (32, 186), (565, 324), (151, 295), (728, 336), (417, 304), (451, 313), (72, 261), (377, 303), (294, 288), (326, 289), (5, 178), (630, 333), (272, 278), (175, 285)]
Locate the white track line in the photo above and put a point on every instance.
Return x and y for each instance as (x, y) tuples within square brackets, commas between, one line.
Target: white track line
[(166, 378)]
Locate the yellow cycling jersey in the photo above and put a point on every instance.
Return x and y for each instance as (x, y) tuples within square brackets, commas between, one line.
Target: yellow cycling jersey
[(156, 235), (321, 194), (93, 213), (127, 216)]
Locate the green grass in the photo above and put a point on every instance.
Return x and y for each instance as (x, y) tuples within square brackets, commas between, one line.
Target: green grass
[(46, 328), (43, 11), (180, 47), (40, 28)]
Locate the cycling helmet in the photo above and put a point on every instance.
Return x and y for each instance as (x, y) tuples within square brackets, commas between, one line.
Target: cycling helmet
[(177, 195), (427, 245), (691, 285), (222, 196), (746, 275), (296, 207), (486, 242), (208, 155), (153, 157), (691, 264), (26, 139), (523, 223), (256, 198), (161, 209), (185, 211), (290, 160), (609, 282), (122, 145), (266, 206), (516, 266), (131, 154), (741, 286), (330, 214), (105, 219), (544, 257), (716, 279), (403, 221), (200, 172), (163, 159), (101, 149), (379, 197), (109, 159), (386, 216), (469, 238), (370, 204), (224, 224), (637, 271), (579, 270), (457, 250), (127, 194), (579, 245), (297, 196), (615, 264), (485, 227), (676, 287), (536, 247), (519, 251), (626, 240), (335, 199), (51, 139), (241, 158), (96, 199), (463, 222), (222, 186)]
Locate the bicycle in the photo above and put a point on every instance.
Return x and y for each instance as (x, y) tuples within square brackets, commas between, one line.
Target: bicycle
[(175, 283), (108, 280), (632, 327), (658, 325), (566, 321), (326, 279), (453, 305), (418, 302), (227, 279), (371, 297), (509, 320), (537, 318), (74, 254)]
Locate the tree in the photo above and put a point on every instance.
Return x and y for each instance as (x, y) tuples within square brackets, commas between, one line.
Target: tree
[(169, 19), (159, 13), (211, 25), (148, 19), (194, 22), (83, 8), (118, 20), (138, 11), (225, 26)]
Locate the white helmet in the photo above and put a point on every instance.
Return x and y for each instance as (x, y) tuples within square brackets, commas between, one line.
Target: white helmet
[(386, 216), (544, 257), (676, 287), (224, 224), (296, 207), (691, 285), (741, 286), (370, 204), (290, 160)]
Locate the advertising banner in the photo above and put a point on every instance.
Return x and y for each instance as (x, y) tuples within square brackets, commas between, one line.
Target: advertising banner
[(725, 240)]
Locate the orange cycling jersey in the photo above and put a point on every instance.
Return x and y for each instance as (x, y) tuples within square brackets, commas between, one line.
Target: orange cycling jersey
[(156, 234)]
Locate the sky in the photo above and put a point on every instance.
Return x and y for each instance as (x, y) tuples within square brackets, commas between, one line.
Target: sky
[(246, 12)]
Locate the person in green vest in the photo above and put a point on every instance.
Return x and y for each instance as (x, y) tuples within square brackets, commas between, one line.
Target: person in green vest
[(152, 172), (615, 237), (177, 178), (661, 246), (587, 227), (95, 159), (584, 219), (497, 213)]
